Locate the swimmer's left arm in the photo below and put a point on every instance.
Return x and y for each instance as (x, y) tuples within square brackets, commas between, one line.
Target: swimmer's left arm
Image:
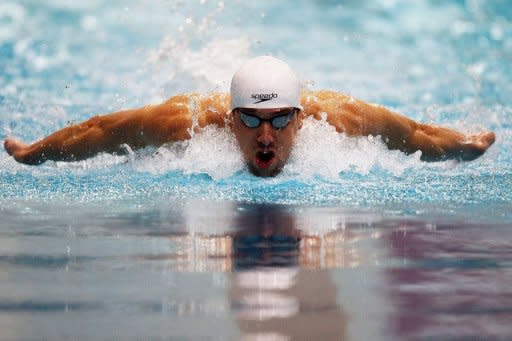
[(358, 118)]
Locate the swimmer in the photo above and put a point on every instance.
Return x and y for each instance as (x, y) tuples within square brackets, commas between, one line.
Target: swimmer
[(264, 110)]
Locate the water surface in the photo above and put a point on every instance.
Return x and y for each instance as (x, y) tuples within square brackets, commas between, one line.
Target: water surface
[(351, 241)]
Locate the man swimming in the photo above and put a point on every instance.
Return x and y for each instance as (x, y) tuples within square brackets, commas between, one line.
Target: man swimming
[(264, 111)]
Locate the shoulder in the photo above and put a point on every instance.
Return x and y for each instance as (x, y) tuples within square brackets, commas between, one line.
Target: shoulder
[(345, 112), (317, 102), (210, 108)]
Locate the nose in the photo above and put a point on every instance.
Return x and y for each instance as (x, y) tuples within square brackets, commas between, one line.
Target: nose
[(266, 134)]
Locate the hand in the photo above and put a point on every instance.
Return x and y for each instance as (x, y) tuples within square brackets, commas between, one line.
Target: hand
[(477, 145), (17, 149)]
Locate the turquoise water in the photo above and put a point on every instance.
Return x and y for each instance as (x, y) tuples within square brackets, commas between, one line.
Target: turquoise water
[(148, 244)]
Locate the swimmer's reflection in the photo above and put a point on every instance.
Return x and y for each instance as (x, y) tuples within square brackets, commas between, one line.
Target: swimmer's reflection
[(270, 294), (265, 237)]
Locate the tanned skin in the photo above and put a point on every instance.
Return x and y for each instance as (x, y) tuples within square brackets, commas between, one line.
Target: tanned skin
[(172, 120)]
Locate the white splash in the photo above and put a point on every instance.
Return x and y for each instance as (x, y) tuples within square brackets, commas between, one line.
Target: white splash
[(180, 65), (214, 151), (205, 69), (320, 150)]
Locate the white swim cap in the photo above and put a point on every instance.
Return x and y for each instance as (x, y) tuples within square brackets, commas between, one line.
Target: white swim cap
[(265, 83)]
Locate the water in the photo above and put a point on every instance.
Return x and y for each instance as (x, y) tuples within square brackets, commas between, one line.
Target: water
[(351, 241)]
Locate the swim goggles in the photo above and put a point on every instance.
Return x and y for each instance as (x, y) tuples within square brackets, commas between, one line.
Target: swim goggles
[(277, 122)]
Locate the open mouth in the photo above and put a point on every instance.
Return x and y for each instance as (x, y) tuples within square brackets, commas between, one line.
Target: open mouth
[(264, 159)]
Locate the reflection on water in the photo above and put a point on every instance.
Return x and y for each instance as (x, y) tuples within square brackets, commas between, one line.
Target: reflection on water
[(280, 285), (233, 237), (251, 272), (270, 295), (455, 282)]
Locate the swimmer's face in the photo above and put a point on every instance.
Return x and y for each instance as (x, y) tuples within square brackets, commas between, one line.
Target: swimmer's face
[(266, 137)]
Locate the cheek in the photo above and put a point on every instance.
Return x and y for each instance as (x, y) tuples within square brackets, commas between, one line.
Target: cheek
[(243, 139), (286, 144)]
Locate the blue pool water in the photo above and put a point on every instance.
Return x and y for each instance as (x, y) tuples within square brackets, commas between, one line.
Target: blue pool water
[(351, 241)]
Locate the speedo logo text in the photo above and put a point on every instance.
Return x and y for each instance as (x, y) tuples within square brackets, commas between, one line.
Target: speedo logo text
[(264, 97)]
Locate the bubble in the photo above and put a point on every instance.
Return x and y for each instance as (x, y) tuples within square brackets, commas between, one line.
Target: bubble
[(497, 32), (462, 27), (477, 69), (12, 16), (89, 23)]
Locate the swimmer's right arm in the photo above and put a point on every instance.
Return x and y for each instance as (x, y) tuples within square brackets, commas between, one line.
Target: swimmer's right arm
[(137, 128)]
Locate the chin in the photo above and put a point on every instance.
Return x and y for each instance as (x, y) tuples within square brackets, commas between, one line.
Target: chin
[(266, 172)]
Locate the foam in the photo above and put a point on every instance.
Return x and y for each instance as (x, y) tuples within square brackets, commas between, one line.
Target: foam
[(320, 150), (213, 151)]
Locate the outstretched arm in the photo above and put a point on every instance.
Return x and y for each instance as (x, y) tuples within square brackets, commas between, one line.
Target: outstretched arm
[(358, 118), (137, 128)]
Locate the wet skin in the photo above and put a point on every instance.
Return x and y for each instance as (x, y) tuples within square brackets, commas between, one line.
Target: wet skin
[(265, 148)]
